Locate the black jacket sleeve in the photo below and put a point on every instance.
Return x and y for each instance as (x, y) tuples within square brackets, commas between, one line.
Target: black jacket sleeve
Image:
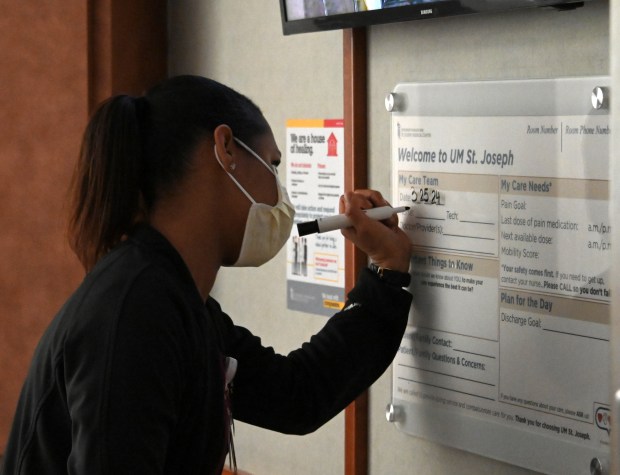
[(300, 392)]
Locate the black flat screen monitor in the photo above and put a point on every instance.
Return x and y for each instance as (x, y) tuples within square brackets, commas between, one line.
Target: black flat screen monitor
[(301, 16)]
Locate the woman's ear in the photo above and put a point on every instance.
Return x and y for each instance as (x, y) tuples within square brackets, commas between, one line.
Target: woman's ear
[(223, 139)]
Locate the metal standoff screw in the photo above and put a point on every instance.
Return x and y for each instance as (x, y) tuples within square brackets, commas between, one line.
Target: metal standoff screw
[(390, 413), (392, 102), (596, 467), (600, 97)]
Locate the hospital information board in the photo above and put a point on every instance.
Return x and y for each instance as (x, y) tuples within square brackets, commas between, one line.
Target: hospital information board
[(507, 349)]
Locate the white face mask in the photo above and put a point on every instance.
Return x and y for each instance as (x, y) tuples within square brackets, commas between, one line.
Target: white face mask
[(267, 227)]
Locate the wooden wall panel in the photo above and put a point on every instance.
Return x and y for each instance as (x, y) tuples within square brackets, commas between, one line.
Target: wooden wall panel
[(127, 46), (58, 58), (43, 110)]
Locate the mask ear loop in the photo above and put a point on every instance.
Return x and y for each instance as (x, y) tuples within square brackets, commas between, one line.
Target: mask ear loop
[(217, 157)]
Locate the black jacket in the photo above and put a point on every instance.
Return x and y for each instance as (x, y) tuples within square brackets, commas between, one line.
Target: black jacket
[(129, 376)]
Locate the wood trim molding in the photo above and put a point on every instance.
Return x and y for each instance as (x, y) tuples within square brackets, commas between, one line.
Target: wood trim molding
[(127, 47), (356, 176)]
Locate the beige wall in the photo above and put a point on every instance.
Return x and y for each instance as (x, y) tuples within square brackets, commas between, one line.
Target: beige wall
[(288, 77), (301, 77), (517, 45)]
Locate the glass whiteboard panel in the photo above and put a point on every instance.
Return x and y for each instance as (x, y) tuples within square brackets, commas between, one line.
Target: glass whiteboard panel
[(507, 349)]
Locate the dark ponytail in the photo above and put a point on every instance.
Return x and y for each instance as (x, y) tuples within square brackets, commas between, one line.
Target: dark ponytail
[(136, 150), (106, 184)]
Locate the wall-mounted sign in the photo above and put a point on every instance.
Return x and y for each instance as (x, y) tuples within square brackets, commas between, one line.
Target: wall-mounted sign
[(507, 349), (315, 182)]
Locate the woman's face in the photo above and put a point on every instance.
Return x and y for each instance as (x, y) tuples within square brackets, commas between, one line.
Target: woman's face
[(253, 174)]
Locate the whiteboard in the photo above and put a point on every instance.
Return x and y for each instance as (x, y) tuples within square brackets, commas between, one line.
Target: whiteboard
[(506, 353)]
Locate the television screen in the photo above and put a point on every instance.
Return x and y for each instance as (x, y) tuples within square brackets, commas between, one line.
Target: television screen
[(300, 16)]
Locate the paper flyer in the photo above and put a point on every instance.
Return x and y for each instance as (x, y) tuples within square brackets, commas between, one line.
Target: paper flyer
[(315, 182)]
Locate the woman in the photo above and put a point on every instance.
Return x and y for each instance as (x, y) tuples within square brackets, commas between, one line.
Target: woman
[(141, 370)]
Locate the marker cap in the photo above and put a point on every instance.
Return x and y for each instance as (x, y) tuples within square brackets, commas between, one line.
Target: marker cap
[(310, 227)]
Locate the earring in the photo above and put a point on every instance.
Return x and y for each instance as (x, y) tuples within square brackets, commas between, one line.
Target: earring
[(233, 166)]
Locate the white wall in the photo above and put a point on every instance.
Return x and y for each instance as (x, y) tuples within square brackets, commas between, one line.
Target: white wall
[(241, 44)]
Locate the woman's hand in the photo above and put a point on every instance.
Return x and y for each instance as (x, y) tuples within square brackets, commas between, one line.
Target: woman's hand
[(384, 242)]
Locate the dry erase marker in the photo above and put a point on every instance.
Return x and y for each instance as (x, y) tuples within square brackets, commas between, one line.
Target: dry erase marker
[(340, 221)]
